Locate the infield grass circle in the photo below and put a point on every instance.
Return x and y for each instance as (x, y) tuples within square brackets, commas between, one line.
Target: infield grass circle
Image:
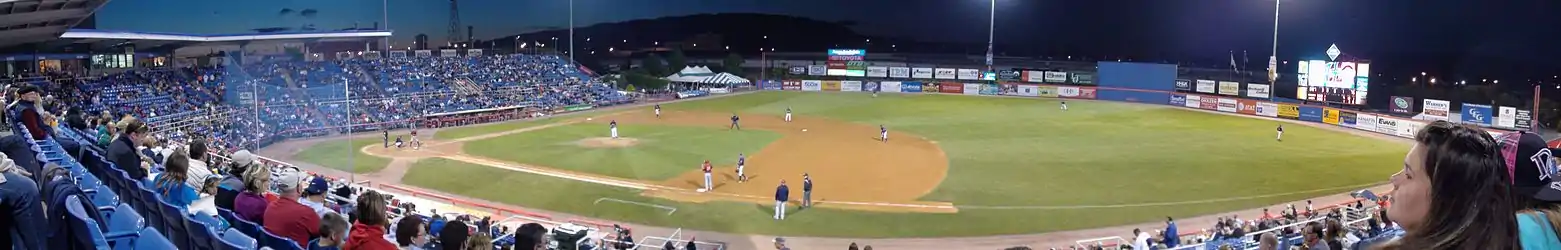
[(659, 151)]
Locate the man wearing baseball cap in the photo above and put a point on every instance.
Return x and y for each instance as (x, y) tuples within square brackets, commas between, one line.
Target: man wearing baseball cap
[(286, 217), (314, 195), (1533, 175)]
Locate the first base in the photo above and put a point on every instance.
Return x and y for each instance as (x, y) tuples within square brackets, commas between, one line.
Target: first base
[(701, 190)]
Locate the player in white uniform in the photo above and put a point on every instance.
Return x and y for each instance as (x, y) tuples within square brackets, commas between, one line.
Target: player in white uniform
[(416, 144), (1280, 136), (707, 169), (883, 133), (1064, 105), (658, 111), (741, 159), (614, 127), (788, 114)]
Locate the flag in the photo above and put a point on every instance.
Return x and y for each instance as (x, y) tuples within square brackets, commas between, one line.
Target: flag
[(1244, 61), (1233, 62)]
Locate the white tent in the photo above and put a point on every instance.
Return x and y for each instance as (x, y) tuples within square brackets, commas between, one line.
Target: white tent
[(703, 75)]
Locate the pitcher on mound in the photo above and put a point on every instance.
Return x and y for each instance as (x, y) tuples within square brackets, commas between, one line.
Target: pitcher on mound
[(613, 126), (706, 168), (788, 114)]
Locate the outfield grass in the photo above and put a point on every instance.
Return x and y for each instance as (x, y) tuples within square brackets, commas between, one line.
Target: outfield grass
[(334, 154), (476, 130), (1095, 165), (663, 151)]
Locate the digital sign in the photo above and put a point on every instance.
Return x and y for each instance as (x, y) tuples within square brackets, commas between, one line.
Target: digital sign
[(847, 62), (1333, 81)]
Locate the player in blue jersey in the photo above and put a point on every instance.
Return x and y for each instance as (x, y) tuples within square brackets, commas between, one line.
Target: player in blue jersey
[(734, 123), (741, 159), (883, 133)]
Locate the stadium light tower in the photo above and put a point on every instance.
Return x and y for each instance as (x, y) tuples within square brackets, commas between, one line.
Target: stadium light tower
[(991, 29), (1273, 68), (571, 31)]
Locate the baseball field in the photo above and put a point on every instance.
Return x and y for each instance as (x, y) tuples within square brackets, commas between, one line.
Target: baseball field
[(953, 166)]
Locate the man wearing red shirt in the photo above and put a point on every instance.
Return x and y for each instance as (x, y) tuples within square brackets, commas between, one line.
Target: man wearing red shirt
[(706, 168), (286, 217)]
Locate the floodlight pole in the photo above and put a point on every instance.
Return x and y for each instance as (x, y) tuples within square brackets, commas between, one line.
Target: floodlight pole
[(1273, 66), (571, 31), (991, 29), (347, 94)]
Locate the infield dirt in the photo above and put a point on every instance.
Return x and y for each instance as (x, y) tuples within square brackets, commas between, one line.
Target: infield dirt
[(849, 166)]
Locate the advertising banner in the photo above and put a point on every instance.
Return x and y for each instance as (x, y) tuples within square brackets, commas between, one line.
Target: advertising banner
[(1257, 90), (1435, 109), (831, 86), (1209, 103), (888, 86), (1076, 92), (991, 89), (1367, 122), (1347, 119), (1056, 77), (1402, 105), (1330, 116), (851, 86), (1268, 109), (971, 89), (1029, 90), (912, 87), (1408, 128), (1312, 114), (770, 85), (423, 53), (1048, 91), (1506, 117), (1178, 100), (1085, 79), (1034, 76), (817, 70), (1477, 114), (951, 87), (1245, 106), (1230, 88), (921, 73), (942, 73), (812, 85), (798, 70), (899, 72), (876, 71), (1228, 105), (791, 85), (1009, 89), (968, 74), (1524, 120), (932, 87), (1183, 85), (1387, 125), (1289, 111), (1008, 75), (1205, 86), (1194, 101), (1086, 93)]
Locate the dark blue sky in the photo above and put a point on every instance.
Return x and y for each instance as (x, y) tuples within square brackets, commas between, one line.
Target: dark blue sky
[(1520, 31)]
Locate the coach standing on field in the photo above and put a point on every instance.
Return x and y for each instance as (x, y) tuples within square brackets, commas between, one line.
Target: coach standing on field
[(807, 191), (781, 195)]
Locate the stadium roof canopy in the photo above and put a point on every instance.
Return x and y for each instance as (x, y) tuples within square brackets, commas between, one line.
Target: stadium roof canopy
[(158, 41), (30, 21)]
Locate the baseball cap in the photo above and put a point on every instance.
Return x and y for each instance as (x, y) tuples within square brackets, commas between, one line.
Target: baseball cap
[(289, 181), (243, 158), (1530, 165), (26, 89), (317, 186)]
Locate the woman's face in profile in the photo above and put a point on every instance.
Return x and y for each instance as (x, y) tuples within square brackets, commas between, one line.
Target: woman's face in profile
[(1411, 191)]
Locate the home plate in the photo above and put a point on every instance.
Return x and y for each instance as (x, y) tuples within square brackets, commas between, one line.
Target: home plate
[(701, 190)]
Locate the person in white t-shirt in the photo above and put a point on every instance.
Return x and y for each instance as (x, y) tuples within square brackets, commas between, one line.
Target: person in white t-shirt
[(198, 171), (1140, 239)]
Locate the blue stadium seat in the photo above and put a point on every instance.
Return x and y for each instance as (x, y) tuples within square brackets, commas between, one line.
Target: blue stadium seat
[(249, 228), (173, 220), (276, 242), (149, 206), (84, 230), (227, 215), (125, 221), (233, 239), (202, 236), (151, 239)]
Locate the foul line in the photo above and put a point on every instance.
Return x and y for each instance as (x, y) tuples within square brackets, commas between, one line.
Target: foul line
[(670, 210), (1155, 204)]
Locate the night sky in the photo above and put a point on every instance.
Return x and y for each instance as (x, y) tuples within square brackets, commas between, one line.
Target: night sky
[(1443, 35)]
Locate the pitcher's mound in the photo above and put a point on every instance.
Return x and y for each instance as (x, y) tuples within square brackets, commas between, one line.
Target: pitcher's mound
[(607, 142)]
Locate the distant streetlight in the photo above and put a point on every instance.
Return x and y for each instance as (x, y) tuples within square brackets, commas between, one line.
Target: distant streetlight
[(728, 47)]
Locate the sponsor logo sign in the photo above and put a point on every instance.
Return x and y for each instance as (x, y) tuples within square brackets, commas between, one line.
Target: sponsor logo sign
[(942, 73), (1009, 89), (1477, 114), (846, 54), (870, 87), (1178, 100), (1387, 125), (1524, 120), (968, 74), (1312, 114), (1268, 109), (1194, 101), (1056, 77), (852, 86), (1068, 91), (971, 89), (791, 85), (817, 70), (991, 89), (1205, 86), (1402, 105), (812, 85), (1331, 116), (1367, 122), (798, 70), (1289, 111), (875, 71), (1230, 88), (831, 86), (1435, 109), (1407, 128), (1245, 106), (1086, 79), (1183, 85), (1506, 117), (912, 87), (1034, 76), (1048, 91), (899, 72), (1086, 93), (1227, 105), (572, 108), (921, 73), (951, 87), (1209, 103), (1029, 90), (1008, 75), (1257, 90), (1347, 118), (888, 86), (770, 85)]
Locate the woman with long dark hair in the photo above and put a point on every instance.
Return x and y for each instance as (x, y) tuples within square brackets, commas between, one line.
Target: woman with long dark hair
[(171, 183), (1453, 192)]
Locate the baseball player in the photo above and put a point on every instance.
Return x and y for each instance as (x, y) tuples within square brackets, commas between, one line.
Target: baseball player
[(658, 111), (1280, 136), (788, 114), (883, 133), (416, 144), (398, 142), (740, 160), (614, 127), (782, 194), (1064, 105), (807, 190), (875, 89), (734, 123), (706, 168), (387, 137)]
